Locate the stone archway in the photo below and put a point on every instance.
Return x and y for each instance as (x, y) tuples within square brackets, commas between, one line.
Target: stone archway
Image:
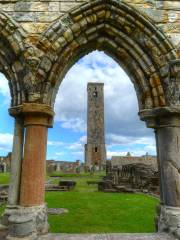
[(152, 63), (12, 47), (149, 59), (122, 32)]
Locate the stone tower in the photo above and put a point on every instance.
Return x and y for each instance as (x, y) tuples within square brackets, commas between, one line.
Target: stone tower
[(95, 151)]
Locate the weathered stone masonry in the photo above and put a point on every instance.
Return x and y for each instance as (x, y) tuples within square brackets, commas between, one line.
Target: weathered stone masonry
[(95, 150), (41, 40)]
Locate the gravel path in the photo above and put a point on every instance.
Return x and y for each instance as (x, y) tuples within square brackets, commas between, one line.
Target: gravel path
[(106, 237)]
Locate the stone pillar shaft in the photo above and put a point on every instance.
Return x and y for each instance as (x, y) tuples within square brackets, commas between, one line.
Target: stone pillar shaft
[(33, 167), (29, 218), (159, 168), (14, 188), (169, 158), (166, 122)]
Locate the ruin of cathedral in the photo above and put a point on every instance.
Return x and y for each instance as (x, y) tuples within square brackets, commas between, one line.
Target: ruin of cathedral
[(95, 150), (120, 161), (5, 162)]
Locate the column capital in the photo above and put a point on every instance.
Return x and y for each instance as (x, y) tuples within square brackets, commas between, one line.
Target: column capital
[(161, 117), (34, 114)]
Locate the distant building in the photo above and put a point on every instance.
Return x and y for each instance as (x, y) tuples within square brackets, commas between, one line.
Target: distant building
[(5, 162), (95, 150), (128, 159), (64, 166)]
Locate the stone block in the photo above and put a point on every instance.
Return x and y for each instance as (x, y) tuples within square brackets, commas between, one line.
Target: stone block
[(7, 7), (175, 38), (173, 16), (66, 6), (46, 64), (168, 5), (169, 219), (26, 6), (34, 16), (156, 15), (26, 222), (34, 27), (21, 226), (54, 7)]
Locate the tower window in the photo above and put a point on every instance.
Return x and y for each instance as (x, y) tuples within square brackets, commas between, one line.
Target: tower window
[(95, 94), (96, 149)]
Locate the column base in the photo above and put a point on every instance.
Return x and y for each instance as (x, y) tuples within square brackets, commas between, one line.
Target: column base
[(25, 222), (169, 220)]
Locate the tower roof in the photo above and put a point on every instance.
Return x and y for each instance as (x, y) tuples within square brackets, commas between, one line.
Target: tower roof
[(95, 83)]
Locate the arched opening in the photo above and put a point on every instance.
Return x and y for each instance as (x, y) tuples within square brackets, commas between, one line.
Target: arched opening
[(12, 95), (6, 130), (141, 49), (133, 41), (129, 38), (124, 133), (37, 69)]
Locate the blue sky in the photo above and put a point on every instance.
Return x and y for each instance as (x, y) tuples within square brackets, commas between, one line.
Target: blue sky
[(124, 131)]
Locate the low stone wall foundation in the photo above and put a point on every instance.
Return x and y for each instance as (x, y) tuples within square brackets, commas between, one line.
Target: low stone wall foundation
[(169, 220), (26, 222)]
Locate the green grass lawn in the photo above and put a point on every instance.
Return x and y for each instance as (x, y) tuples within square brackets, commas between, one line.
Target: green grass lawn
[(4, 178), (91, 211)]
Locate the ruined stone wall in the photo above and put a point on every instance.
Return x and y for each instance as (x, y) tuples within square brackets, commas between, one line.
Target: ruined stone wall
[(36, 15), (125, 160), (6, 161)]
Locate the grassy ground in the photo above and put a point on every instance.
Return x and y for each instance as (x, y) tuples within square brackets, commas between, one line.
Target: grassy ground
[(4, 178), (91, 211)]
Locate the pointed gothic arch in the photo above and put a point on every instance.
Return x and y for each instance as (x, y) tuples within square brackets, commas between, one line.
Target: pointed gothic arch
[(131, 38)]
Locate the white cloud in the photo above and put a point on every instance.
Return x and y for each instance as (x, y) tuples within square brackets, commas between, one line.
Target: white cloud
[(122, 124), (60, 153), (77, 124), (6, 141), (78, 154), (114, 139), (75, 146), (4, 89), (83, 139), (121, 105), (55, 143), (138, 146)]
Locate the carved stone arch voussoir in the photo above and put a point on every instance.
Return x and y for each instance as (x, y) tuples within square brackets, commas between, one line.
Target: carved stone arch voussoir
[(12, 47), (111, 26)]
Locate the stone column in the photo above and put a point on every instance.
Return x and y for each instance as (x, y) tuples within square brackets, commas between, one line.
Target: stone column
[(30, 218), (14, 187), (13, 196), (169, 157), (5, 167), (166, 122), (33, 166), (158, 209)]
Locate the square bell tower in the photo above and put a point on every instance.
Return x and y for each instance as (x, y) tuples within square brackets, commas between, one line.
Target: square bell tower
[(95, 150)]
